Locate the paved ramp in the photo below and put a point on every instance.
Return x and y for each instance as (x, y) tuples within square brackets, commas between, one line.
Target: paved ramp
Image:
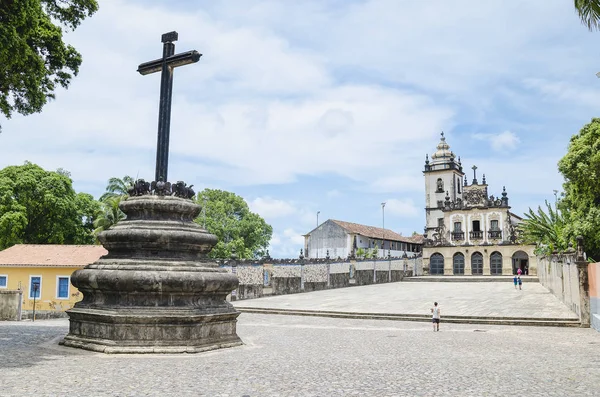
[(475, 302)]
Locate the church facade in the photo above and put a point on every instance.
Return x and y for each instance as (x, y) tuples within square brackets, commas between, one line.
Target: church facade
[(467, 230)]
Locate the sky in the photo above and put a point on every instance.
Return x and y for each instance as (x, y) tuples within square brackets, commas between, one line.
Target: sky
[(326, 106)]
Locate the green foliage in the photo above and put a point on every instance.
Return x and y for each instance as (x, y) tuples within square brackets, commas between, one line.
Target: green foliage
[(589, 13), (374, 252), (545, 229), (41, 207), (117, 187), (361, 253), (240, 232), (33, 57), (89, 210), (110, 214), (581, 169)]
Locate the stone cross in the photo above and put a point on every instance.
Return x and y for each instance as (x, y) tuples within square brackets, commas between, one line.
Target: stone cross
[(165, 65), (474, 168)]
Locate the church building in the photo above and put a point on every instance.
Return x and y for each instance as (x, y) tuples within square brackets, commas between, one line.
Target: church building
[(467, 230)]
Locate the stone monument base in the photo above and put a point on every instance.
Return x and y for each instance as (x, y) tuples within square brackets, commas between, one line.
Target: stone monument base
[(155, 291), (150, 331)]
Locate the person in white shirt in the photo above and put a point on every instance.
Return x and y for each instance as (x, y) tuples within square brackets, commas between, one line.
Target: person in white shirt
[(435, 310)]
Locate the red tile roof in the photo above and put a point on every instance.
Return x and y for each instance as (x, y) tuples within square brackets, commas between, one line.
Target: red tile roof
[(51, 255), (378, 233)]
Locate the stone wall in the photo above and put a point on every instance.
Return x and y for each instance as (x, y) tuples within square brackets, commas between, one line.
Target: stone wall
[(294, 276), (575, 282), (10, 305), (558, 273), (594, 282)]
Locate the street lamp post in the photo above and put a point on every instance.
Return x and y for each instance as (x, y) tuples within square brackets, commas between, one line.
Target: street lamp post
[(317, 243), (204, 213), (36, 288), (383, 238)]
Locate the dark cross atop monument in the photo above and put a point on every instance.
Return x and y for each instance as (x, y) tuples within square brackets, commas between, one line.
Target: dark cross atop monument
[(474, 168), (165, 65)]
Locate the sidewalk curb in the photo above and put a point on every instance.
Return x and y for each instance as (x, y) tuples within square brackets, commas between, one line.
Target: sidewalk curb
[(521, 321)]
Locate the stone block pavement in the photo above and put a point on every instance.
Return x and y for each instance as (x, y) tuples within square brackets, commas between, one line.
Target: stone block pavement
[(314, 356), (468, 299), (319, 356)]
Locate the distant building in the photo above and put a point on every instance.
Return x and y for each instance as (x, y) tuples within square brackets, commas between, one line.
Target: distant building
[(344, 239), (468, 231), (48, 266)]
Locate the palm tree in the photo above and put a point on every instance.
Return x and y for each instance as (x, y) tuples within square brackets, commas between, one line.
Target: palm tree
[(110, 216), (117, 187), (589, 12), (546, 230)]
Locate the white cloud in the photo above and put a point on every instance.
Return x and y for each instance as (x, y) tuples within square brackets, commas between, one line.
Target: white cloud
[(398, 184), (286, 244), (505, 140), (331, 94), (331, 194), (270, 208), (403, 208)]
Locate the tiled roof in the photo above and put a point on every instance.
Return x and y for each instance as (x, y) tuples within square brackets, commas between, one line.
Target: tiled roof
[(378, 233), (51, 255)]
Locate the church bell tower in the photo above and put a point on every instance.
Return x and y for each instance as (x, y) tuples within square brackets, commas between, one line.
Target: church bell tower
[(443, 181)]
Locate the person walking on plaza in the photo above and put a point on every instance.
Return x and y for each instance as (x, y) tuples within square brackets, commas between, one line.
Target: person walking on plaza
[(515, 281), (520, 282), (435, 310)]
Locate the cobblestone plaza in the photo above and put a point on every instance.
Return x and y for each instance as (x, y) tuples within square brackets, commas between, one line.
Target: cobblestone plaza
[(309, 356)]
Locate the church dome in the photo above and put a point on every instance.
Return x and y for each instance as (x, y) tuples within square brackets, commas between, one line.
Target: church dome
[(443, 151)]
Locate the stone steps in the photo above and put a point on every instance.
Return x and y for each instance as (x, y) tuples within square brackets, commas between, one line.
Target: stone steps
[(470, 279), (524, 321)]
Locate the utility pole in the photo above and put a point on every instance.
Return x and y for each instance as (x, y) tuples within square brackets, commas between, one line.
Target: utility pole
[(317, 242), (383, 238)]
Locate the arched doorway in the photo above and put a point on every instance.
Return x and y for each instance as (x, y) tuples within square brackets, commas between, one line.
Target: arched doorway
[(496, 263), (436, 264), (477, 264), (520, 260), (458, 264)]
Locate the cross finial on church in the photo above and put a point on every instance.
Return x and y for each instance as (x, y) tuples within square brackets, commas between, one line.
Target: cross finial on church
[(474, 168), (166, 65), (442, 134)]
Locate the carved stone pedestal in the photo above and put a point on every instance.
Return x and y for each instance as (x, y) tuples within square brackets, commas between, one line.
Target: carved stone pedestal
[(156, 291)]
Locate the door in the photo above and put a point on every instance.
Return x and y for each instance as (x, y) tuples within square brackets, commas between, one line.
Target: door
[(458, 264), (496, 263), (436, 264), (477, 264)]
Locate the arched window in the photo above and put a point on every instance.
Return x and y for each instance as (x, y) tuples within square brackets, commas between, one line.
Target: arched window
[(440, 186), (477, 264), (496, 263), (458, 264), (436, 264)]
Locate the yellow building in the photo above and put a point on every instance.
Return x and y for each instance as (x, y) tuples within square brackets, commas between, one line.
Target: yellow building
[(43, 272)]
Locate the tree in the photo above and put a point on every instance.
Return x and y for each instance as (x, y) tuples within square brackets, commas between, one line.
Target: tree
[(33, 57), (117, 187), (361, 253), (581, 170), (89, 210), (110, 214), (240, 232), (589, 13), (546, 230), (41, 207)]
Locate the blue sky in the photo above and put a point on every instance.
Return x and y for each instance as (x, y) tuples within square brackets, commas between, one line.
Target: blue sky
[(324, 106)]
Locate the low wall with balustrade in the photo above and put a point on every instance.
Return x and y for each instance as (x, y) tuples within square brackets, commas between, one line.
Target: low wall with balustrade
[(279, 277)]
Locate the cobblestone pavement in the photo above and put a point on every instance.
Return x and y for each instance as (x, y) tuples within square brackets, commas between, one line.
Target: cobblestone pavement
[(493, 299), (311, 356)]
